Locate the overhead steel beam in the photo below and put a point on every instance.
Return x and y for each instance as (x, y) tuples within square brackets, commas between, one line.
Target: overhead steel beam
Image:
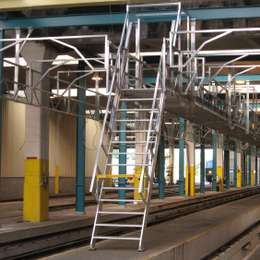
[(109, 18)]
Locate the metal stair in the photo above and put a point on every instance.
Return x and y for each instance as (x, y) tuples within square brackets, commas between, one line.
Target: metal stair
[(132, 121)]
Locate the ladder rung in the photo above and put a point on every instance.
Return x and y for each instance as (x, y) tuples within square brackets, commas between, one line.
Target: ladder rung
[(138, 99), (135, 120), (132, 142), (138, 110), (116, 238), (128, 153), (121, 212), (125, 164), (120, 200), (133, 131), (119, 188), (118, 225)]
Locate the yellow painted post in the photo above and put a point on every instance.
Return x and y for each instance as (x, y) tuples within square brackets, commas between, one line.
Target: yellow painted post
[(190, 169), (239, 167), (137, 195), (239, 178), (36, 192), (220, 175), (57, 180)]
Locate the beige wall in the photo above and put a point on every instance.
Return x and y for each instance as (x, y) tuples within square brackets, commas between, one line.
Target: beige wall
[(62, 143)]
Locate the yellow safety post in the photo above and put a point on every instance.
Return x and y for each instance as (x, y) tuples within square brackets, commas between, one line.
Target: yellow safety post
[(57, 180), (137, 195), (36, 190), (190, 168), (220, 175), (252, 178), (239, 178)]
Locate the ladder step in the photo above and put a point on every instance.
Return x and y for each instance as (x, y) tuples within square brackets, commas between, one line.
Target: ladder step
[(116, 238), (128, 153), (138, 99), (119, 188), (120, 200), (132, 142), (121, 213), (126, 164), (135, 120), (137, 110), (133, 131), (118, 225)]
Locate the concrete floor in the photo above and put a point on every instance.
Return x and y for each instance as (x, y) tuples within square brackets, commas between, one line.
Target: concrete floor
[(190, 237)]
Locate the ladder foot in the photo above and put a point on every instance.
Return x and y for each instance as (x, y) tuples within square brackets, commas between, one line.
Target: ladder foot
[(140, 249), (92, 248)]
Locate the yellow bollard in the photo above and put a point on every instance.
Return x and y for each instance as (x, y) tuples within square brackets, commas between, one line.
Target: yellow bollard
[(36, 190), (220, 178), (190, 181), (252, 178), (57, 180), (239, 178), (137, 195)]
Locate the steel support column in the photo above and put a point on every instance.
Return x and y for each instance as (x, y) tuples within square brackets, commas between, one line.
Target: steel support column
[(256, 169), (235, 168), (214, 163), (227, 168), (122, 153), (1, 98), (202, 164), (161, 168), (181, 156), (249, 168), (80, 147)]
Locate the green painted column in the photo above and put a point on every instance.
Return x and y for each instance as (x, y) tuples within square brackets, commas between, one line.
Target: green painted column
[(161, 168), (235, 166), (249, 169), (214, 163), (122, 153), (80, 147), (227, 168), (256, 169), (202, 166), (1, 94), (243, 170), (181, 157)]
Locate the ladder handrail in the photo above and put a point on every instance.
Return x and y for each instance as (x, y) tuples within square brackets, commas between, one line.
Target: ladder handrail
[(113, 87)]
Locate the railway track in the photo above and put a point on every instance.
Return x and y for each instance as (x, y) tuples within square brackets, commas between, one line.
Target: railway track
[(74, 236)]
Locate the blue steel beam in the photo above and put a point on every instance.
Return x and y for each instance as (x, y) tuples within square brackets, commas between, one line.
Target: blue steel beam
[(1, 93), (214, 166), (80, 154), (161, 168), (122, 154), (118, 18), (235, 166), (181, 157)]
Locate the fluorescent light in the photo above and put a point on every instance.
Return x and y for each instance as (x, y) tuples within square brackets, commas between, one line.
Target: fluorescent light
[(60, 59), (8, 62), (240, 82)]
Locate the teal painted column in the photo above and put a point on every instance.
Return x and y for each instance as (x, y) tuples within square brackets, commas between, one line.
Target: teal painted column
[(256, 169), (214, 161), (227, 169), (243, 170), (235, 166), (80, 147), (122, 153), (161, 168), (249, 168), (181, 157), (202, 166), (1, 94)]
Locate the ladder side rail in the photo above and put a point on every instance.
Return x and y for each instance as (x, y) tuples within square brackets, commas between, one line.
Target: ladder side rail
[(140, 189), (110, 99)]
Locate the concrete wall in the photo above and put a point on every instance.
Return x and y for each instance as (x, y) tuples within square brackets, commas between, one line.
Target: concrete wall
[(62, 150)]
